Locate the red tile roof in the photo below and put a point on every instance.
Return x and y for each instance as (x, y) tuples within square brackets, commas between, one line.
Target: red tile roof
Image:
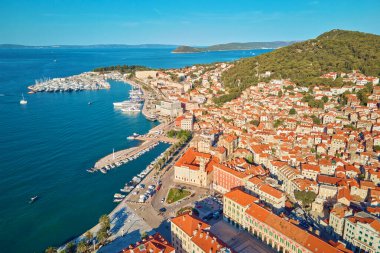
[(240, 197), (188, 223), (153, 244), (309, 241)]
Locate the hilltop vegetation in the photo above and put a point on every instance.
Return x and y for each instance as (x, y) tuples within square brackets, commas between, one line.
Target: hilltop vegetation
[(233, 46), (305, 62), (186, 49), (124, 69)]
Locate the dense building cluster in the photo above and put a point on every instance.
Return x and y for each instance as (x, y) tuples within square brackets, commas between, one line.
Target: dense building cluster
[(275, 145), (298, 166)]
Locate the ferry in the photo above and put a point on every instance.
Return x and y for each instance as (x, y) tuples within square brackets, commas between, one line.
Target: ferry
[(131, 109), (126, 103)]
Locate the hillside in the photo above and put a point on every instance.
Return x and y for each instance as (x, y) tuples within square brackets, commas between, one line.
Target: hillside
[(232, 46), (304, 62), (186, 49)]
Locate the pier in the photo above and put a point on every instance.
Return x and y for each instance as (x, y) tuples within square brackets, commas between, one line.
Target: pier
[(122, 155)]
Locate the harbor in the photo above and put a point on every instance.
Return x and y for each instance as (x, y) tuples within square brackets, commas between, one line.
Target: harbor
[(149, 141), (84, 81)]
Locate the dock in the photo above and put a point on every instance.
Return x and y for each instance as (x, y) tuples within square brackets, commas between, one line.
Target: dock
[(122, 155)]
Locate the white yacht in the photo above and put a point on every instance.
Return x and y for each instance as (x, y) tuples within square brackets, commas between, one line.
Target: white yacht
[(23, 101), (131, 109)]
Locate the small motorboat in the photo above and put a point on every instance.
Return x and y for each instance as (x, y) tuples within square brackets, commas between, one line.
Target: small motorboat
[(89, 103), (32, 199)]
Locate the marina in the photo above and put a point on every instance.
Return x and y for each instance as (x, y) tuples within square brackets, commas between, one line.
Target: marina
[(84, 81)]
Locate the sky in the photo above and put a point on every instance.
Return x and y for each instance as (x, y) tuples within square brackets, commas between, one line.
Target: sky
[(179, 22)]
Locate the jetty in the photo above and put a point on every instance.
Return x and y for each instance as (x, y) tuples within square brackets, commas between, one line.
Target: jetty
[(124, 156), (149, 141)]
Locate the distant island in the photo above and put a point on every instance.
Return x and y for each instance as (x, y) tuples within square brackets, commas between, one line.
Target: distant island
[(233, 46)]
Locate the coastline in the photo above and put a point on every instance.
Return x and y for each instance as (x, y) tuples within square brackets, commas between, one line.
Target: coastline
[(226, 50), (120, 233)]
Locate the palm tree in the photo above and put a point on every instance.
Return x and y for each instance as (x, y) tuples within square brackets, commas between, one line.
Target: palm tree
[(81, 247), (70, 247), (89, 236), (104, 221), (51, 250), (102, 236)]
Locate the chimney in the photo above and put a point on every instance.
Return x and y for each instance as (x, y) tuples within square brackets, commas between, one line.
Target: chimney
[(201, 235), (183, 218), (199, 225), (195, 232), (206, 235)]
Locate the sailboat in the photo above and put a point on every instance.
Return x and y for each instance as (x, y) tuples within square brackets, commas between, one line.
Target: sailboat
[(23, 101)]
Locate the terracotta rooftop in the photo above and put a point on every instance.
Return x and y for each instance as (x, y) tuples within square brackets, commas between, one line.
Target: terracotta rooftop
[(309, 241), (188, 223), (153, 244), (240, 197)]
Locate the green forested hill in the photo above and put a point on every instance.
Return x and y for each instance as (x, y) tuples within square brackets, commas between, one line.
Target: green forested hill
[(233, 46), (304, 62)]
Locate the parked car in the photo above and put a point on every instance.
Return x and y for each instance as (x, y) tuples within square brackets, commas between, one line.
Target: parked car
[(162, 210), (162, 200)]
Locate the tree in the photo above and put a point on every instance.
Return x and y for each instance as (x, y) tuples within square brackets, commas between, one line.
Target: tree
[(376, 148), (306, 197), (145, 234), (51, 250), (292, 111), (279, 94), (254, 122), (104, 221), (102, 236), (316, 120), (81, 247), (70, 247), (249, 159), (325, 99), (89, 236), (277, 123)]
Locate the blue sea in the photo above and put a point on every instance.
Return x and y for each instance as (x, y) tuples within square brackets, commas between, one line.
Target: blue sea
[(47, 145)]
